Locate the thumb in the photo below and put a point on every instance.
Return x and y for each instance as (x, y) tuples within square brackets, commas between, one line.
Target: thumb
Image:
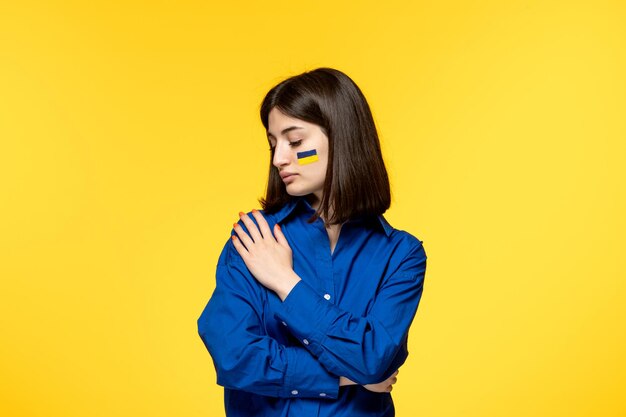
[(280, 237)]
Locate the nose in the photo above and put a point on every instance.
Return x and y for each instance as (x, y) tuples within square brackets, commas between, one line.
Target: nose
[(281, 154)]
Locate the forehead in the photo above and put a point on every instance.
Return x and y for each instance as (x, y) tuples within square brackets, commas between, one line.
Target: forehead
[(280, 124)]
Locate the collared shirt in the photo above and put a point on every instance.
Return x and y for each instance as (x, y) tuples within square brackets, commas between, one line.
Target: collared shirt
[(348, 316)]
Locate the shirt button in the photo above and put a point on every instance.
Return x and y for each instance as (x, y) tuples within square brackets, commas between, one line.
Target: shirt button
[(322, 394), (327, 296), (284, 324), (306, 342), (294, 392)]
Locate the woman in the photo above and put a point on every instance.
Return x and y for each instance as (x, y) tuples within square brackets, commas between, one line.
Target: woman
[(315, 293)]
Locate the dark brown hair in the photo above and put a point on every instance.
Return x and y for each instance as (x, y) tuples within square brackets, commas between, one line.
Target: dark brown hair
[(356, 182)]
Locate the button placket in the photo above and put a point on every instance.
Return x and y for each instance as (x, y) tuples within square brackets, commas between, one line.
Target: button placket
[(324, 260), (330, 279)]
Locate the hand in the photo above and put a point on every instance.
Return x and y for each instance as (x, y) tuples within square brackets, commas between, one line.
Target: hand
[(345, 381), (269, 259), (385, 386)]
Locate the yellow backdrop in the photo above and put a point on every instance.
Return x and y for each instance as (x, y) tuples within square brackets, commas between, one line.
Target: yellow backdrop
[(130, 139)]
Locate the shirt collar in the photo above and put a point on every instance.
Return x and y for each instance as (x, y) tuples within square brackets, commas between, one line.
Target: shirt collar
[(291, 205)]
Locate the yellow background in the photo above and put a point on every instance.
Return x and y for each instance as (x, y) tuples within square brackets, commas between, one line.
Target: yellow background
[(130, 139)]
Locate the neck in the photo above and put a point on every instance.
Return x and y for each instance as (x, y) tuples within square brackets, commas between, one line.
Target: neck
[(314, 200)]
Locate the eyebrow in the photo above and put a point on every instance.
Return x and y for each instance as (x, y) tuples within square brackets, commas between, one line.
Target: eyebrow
[(285, 130)]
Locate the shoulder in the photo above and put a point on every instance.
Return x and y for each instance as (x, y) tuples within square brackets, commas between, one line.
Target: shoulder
[(266, 218), (408, 263), (229, 253), (407, 240), (408, 253), (402, 240)]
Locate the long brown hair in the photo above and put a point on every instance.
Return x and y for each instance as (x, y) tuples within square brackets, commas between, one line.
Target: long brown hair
[(356, 182)]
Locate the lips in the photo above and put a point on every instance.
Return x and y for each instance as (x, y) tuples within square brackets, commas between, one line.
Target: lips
[(286, 176)]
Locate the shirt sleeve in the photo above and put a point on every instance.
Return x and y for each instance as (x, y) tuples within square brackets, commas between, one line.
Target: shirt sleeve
[(244, 356), (359, 348)]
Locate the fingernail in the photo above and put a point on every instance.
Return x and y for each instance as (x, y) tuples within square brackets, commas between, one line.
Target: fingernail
[(233, 237), (241, 213), (254, 210), (234, 225), (278, 226)]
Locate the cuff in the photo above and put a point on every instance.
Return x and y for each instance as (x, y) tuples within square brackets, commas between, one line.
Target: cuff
[(306, 378), (307, 315)]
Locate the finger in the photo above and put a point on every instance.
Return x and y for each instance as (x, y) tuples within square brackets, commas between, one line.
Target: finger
[(243, 236), (265, 228), (394, 380), (392, 376), (390, 388), (280, 237), (253, 230), (239, 246)]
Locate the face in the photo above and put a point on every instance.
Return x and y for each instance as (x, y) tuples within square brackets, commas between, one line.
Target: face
[(300, 154)]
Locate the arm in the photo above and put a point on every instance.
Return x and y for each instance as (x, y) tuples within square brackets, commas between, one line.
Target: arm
[(361, 348), (244, 356)]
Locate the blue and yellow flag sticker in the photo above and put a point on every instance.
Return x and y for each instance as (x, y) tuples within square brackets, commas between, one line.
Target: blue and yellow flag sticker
[(307, 157)]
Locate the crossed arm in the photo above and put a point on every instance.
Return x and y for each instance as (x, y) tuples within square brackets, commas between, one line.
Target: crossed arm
[(248, 359), (344, 349)]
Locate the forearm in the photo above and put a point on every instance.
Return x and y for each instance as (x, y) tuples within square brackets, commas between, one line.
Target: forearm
[(299, 376), (362, 349), (246, 358), (286, 284)]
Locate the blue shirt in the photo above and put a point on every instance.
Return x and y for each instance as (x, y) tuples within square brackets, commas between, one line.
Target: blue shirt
[(348, 316)]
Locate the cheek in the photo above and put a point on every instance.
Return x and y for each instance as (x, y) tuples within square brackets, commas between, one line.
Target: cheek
[(308, 157), (314, 166)]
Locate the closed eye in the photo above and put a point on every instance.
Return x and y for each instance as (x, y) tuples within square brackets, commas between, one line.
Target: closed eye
[(293, 144)]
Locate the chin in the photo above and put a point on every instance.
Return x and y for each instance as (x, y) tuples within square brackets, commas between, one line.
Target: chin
[(297, 192)]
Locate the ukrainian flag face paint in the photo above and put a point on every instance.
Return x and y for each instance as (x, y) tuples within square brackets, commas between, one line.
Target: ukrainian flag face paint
[(307, 157)]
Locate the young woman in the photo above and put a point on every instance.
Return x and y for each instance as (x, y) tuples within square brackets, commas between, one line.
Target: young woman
[(316, 292)]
